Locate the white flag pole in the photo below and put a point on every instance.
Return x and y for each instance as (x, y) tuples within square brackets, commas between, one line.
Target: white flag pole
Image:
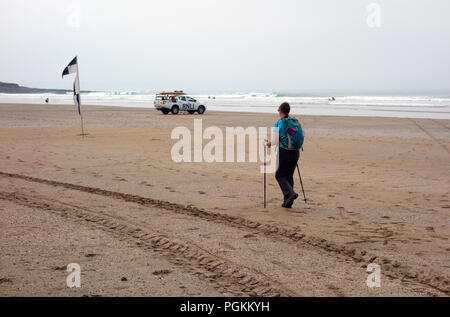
[(79, 106)]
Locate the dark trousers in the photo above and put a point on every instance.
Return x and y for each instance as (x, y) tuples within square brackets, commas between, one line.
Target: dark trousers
[(285, 173)]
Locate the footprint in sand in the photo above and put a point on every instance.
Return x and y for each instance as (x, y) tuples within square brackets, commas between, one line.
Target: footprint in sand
[(170, 189), (5, 280), (226, 245), (201, 192), (161, 272), (337, 291), (281, 264)]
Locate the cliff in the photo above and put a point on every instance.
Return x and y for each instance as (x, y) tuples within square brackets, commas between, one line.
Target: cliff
[(12, 88)]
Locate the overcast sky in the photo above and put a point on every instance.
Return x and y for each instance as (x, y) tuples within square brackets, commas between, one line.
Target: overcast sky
[(227, 45)]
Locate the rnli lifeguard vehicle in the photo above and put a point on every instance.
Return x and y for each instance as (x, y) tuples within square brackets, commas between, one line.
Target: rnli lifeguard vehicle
[(176, 101)]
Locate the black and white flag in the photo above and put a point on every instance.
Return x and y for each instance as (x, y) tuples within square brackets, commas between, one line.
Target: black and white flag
[(70, 69)]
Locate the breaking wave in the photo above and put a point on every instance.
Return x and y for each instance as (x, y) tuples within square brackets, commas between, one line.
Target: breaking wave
[(410, 106)]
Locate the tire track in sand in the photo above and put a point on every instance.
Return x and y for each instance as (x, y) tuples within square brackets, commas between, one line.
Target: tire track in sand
[(431, 136), (238, 280), (390, 268)]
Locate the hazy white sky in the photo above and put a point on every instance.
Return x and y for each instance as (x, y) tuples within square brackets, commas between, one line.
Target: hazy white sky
[(268, 45)]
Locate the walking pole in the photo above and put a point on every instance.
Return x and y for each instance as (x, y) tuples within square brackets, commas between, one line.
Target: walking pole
[(265, 176), (298, 169)]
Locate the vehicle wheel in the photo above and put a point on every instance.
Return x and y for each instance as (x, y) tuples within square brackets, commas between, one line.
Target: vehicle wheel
[(165, 111), (191, 111), (175, 110), (201, 110)]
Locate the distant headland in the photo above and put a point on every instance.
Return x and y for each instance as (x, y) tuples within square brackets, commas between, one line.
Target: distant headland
[(12, 88)]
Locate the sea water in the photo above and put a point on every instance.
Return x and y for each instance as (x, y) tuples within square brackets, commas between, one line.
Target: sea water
[(435, 106)]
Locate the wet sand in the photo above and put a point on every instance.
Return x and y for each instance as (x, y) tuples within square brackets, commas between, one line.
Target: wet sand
[(115, 202)]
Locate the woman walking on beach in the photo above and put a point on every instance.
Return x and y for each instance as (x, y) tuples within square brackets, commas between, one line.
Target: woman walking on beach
[(290, 139)]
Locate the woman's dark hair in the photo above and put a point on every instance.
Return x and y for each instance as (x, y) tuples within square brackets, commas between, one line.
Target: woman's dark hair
[(285, 108)]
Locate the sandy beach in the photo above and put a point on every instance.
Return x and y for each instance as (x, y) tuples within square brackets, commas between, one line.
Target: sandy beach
[(139, 224)]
